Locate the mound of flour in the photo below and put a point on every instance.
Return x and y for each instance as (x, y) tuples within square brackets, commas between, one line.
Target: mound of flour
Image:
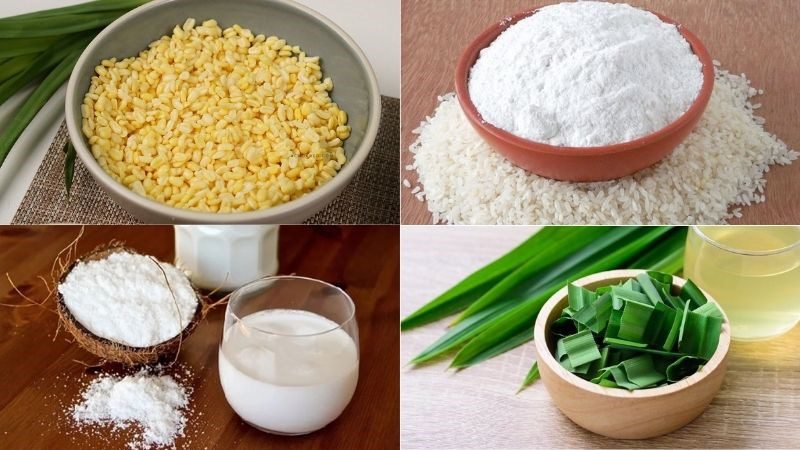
[(586, 74), (721, 164)]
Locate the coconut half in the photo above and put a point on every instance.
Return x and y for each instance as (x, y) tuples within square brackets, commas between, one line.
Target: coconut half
[(115, 351)]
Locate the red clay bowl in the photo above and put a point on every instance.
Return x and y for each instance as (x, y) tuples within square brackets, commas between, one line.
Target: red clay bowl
[(582, 163)]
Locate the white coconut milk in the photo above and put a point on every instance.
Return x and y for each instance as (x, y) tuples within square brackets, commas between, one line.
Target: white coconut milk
[(282, 372)]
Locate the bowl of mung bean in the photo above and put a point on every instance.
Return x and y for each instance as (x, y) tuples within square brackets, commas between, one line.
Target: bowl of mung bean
[(244, 111)]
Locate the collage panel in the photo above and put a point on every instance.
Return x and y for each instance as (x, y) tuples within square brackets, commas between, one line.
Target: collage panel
[(199, 111), (532, 112), (599, 337), (199, 337)]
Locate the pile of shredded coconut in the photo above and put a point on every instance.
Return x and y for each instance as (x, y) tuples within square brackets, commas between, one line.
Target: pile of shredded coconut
[(586, 74), (720, 165), (155, 404), (126, 299)]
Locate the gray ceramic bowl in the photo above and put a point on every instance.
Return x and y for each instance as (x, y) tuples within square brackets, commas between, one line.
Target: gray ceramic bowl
[(355, 90)]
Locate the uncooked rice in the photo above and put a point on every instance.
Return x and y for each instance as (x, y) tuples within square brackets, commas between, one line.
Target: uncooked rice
[(719, 168)]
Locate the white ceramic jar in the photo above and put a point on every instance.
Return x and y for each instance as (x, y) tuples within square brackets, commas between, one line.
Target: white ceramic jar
[(226, 257)]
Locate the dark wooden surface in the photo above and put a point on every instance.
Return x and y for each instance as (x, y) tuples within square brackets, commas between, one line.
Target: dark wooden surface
[(757, 37), (39, 378)]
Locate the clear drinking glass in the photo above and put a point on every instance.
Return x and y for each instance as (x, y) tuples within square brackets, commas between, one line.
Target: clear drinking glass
[(289, 356), (752, 271)]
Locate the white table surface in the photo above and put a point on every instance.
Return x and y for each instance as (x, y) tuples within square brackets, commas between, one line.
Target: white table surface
[(374, 24)]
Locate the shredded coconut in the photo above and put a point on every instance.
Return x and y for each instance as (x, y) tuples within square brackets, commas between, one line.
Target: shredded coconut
[(125, 298), (154, 403), (721, 164), (586, 74)]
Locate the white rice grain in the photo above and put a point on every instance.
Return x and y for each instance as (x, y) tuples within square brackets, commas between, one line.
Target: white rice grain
[(720, 165)]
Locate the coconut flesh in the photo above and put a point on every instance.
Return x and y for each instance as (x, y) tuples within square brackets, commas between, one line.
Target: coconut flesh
[(129, 299)]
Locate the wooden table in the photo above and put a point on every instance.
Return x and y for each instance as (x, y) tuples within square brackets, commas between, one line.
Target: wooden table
[(758, 406), (756, 37), (40, 380)]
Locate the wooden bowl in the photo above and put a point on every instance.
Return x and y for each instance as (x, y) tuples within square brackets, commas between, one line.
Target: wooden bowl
[(582, 164), (619, 413)]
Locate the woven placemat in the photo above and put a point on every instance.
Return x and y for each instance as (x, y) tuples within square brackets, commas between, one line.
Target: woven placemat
[(372, 197)]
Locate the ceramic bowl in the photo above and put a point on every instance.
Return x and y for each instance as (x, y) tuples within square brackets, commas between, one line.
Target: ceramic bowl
[(619, 413), (581, 164), (355, 90)]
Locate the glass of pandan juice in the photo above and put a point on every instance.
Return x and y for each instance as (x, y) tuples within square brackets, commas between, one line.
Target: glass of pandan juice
[(752, 271)]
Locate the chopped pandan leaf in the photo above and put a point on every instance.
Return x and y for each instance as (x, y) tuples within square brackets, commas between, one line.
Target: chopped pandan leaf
[(580, 348), (664, 293), (690, 292), (608, 383), (635, 317), (594, 316), (602, 374), (637, 348), (632, 285), (660, 325), (701, 335), (649, 288), (624, 343), (709, 309), (579, 297), (582, 370), (561, 355), (586, 318), (683, 367), (670, 342), (661, 362), (683, 323), (672, 300), (533, 375), (619, 294), (621, 379), (598, 364), (613, 323), (663, 279), (604, 308), (642, 372), (615, 356)]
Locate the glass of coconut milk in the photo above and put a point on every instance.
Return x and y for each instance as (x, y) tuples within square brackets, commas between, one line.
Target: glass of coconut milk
[(752, 271), (288, 361)]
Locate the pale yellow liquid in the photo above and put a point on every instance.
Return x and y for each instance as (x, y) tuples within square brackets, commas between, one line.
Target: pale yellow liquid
[(760, 294)]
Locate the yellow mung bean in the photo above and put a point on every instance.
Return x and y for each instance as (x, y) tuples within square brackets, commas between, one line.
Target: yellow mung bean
[(216, 120)]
